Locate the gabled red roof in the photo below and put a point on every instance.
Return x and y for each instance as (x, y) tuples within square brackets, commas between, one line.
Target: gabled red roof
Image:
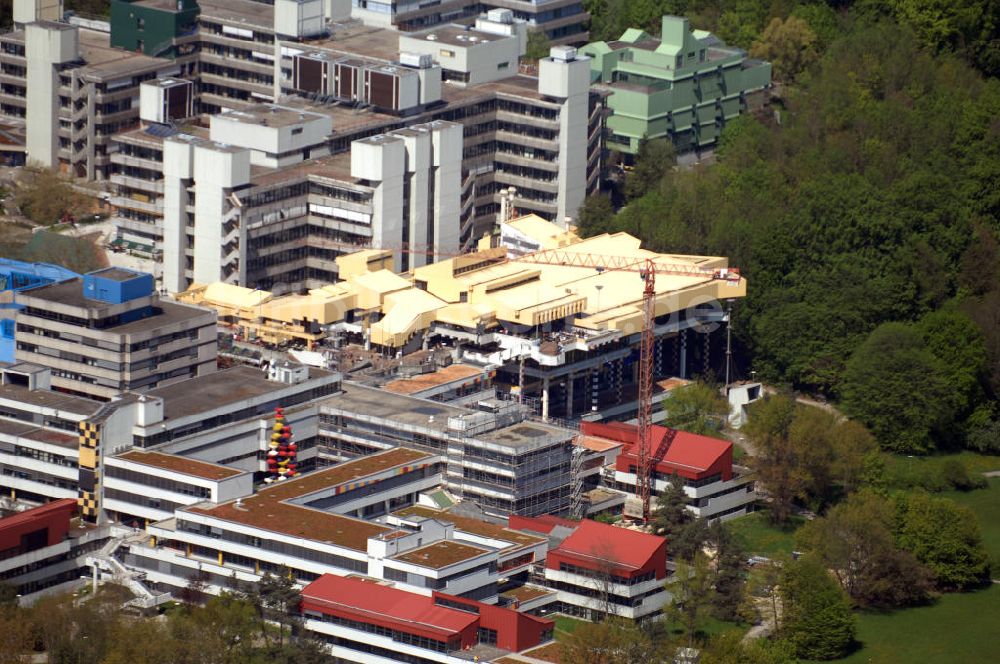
[(689, 453), (382, 604), (688, 449), (621, 547)]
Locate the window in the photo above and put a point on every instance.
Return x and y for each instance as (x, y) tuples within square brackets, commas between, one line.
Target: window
[(445, 53), (140, 23), (503, 65), (296, 131)]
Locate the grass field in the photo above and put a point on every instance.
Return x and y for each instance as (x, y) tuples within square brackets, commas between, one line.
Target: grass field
[(565, 626), (986, 504), (907, 471), (960, 627), (761, 538)]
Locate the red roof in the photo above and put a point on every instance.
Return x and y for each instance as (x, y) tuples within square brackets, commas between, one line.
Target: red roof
[(672, 449), (539, 524), (688, 449), (619, 546), (383, 604)]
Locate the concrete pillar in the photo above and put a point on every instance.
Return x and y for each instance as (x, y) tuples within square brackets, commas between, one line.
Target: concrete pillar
[(545, 399), (619, 380), (706, 358), (682, 357), (569, 395), (595, 389)]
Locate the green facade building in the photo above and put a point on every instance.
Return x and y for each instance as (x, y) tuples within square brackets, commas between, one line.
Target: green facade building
[(158, 28), (683, 86)]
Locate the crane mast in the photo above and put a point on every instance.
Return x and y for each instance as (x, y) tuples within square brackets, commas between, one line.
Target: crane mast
[(643, 480)]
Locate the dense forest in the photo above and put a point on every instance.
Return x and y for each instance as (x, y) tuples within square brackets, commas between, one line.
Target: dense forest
[(863, 206)]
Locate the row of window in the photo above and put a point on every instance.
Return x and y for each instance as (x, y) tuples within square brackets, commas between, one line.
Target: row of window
[(395, 635)]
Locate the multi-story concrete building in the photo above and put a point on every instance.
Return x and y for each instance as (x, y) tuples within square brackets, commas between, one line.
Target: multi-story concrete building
[(562, 21), (44, 549), (597, 570), (683, 86), (715, 487), (494, 457), (109, 332), (562, 334), (74, 92), (199, 439), (15, 276), (366, 622), (540, 138)]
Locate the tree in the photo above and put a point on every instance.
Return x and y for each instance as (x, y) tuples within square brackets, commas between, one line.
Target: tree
[(942, 535), (730, 572), (897, 387), (276, 598), (769, 428), (985, 437), (852, 445), (817, 614), (969, 27), (594, 216), (672, 519), (790, 46), (538, 45), (671, 512), (16, 638), (45, 196), (654, 158), (613, 641), (732, 648), (855, 541), (194, 591), (692, 594), (696, 407)]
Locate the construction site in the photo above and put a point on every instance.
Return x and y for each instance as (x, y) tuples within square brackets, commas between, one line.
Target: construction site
[(558, 327)]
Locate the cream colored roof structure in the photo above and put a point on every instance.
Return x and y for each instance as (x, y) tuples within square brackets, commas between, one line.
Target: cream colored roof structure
[(227, 299), (595, 282), (547, 234), (406, 312)]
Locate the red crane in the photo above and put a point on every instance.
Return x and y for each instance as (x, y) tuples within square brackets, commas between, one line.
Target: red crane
[(647, 269)]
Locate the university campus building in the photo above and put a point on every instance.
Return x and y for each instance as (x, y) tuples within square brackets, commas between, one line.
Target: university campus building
[(253, 143), (683, 86)]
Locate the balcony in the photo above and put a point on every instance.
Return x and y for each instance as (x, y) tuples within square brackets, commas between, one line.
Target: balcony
[(530, 141), (519, 181), (533, 120), (133, 204), (154, 186), (138, 162), (529, 162)]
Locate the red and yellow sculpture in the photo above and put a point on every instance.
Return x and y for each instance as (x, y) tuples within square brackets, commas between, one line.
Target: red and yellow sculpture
[(281, 451)]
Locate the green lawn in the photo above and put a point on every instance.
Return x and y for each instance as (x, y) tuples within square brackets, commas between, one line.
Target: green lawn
[(960, 627), (904, 471), (565, 626), (986, 504), (761, 538)]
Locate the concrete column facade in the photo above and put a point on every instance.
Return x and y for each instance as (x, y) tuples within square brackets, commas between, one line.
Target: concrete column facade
[(545, 399), (682, 356), (569, 395), (46, 45)]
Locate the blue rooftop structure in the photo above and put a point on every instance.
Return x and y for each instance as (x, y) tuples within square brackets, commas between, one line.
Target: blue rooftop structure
[(15, 276)]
